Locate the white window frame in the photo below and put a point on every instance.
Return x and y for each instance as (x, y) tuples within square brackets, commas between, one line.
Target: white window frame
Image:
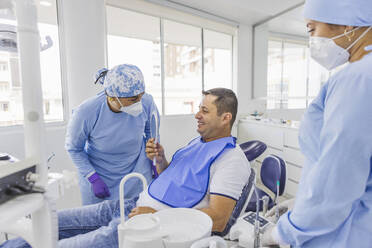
[(294, 40), (65, 110), (165, 13)]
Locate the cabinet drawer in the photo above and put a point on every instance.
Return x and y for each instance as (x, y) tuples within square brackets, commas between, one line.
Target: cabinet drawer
[(291, 188), (293, 172), (291, 138), (272, 136), (293, 156)]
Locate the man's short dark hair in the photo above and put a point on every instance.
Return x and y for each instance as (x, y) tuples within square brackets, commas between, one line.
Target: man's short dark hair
[(226, 102)]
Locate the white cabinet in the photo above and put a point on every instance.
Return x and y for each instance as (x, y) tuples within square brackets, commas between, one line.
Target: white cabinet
[(291, 138), (293, 156), (281, 141), (272, 137)]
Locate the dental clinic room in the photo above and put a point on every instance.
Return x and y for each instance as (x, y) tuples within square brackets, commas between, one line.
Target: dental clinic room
[(185, 123)]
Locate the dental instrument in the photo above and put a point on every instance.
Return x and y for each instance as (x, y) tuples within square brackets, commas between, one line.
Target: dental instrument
[(154, 130), (265, 202)]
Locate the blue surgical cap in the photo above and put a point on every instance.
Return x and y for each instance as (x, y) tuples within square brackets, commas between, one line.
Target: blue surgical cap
[(341, 12), (122, 80)]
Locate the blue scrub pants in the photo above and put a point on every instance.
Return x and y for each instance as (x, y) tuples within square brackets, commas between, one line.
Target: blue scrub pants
[(87, 226)]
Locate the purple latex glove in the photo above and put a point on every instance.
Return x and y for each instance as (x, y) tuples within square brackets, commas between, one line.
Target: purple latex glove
[(100, 189)]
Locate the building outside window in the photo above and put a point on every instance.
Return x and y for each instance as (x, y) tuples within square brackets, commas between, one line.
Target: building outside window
[(3, 66), (137, 44), (10, 83), (182, 67), (179, 89), (4, 106)]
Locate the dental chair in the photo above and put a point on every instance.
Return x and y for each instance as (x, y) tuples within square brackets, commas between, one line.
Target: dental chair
[(240, 205), (253, 149), (273, 169)]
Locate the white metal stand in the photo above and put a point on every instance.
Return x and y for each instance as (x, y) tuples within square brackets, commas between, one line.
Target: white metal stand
[(41, 230)]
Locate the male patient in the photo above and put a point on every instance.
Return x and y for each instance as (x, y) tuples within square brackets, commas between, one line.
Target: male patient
[(208, 174)]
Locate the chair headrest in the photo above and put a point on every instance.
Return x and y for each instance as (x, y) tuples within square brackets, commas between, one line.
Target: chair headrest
[(253, 149), (273, 168)]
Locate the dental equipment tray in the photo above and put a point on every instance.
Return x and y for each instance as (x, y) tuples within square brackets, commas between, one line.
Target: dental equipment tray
[(251, 218), (13, 179)]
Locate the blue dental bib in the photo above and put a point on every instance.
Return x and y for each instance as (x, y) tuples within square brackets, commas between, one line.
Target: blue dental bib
[(185, 182)]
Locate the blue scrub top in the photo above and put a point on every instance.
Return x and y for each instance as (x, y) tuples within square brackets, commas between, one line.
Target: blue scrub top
[(111, 144), (333, 205)]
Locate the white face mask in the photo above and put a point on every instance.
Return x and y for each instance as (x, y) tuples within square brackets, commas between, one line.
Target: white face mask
[(134, 109), (327, 53)]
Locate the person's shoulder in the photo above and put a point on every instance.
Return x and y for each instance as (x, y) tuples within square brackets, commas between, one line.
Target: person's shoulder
[(353, 80), (149, 104), (359, 71), (363, 64), (232, 165), (91, 104), (147, 99), (234, 156), (234, 152)]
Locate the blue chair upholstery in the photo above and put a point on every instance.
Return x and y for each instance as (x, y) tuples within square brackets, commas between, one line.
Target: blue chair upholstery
[(240, 205), (272, 169), (253, 149)]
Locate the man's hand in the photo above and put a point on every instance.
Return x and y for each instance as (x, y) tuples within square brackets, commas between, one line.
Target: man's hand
[(141, 210), (156, 150)]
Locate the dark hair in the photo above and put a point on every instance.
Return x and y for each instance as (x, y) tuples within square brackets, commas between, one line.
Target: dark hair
[(226, 102)]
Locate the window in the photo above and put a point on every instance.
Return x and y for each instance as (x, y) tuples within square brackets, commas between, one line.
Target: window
[(182, 68), (4, 106), (294, 79), (3, 66), (4, 86), (10, 91), (217, 59), (137, 44), (179, 89)]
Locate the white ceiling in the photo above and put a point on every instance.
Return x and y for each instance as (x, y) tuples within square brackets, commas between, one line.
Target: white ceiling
[(241, 11), (291, 23)]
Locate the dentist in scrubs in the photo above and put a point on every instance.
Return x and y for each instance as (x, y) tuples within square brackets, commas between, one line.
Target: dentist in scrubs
[(107, 133), (333, 205)]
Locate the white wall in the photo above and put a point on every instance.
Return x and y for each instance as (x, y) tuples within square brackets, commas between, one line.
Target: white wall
[(261, 36), (259, 85), (176, 132), (243, 67), (83, 38), (83, 47)]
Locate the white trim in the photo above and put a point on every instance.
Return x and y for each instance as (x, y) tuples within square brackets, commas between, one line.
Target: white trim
[(161, 23), (297, 39), (195, 11), (19, 128), (63, 61), (171, 14), (106, 35), (63, 75)]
